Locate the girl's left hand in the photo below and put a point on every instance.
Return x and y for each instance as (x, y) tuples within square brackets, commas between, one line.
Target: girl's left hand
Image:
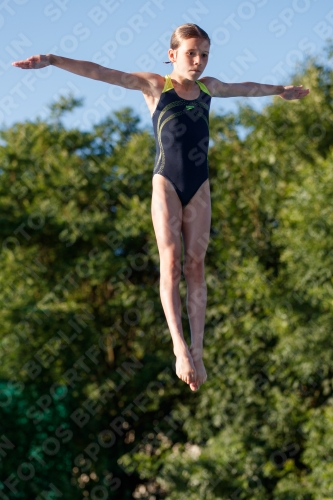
[(291, 92)]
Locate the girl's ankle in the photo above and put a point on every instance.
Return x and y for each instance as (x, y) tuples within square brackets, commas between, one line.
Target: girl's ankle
[(196, 351)]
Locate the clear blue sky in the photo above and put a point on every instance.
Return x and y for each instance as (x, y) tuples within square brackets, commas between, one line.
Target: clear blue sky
[(255, 40)]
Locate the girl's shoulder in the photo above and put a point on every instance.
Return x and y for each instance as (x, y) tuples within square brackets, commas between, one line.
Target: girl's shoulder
[(215, 86), (209, 82), (154, 80)]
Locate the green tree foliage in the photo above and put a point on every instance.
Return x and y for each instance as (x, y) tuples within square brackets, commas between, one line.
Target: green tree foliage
[(90, 404)]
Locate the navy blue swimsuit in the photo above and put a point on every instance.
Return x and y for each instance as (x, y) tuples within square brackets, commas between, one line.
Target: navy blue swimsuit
[(181, 129)]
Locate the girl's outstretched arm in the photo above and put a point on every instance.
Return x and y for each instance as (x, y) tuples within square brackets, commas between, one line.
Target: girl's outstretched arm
[(252, 89), (135, 81)]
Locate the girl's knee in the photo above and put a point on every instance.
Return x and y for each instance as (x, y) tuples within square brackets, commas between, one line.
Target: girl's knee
[(194, 268), (170, 267)]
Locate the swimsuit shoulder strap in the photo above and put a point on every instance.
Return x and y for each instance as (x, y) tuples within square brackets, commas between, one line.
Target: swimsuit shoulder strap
[(203, 87), (168, 84)]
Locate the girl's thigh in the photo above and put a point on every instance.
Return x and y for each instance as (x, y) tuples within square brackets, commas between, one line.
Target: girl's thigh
[(196, 222), (166, 210)]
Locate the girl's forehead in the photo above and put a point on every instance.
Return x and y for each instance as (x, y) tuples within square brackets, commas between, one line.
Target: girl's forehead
[(195, 43)]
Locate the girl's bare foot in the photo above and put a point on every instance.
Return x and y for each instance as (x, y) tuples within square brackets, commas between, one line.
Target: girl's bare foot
[(199, 367), (185, 369)]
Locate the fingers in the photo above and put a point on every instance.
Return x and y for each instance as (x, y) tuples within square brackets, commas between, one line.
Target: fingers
[(29, 63), (293, 92), (301, 94), (22, 64), (297, 92), (25, 62), (34, 62)]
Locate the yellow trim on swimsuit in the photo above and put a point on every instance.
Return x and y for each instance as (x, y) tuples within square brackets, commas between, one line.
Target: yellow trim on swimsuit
[(203, 87), (168, 85)]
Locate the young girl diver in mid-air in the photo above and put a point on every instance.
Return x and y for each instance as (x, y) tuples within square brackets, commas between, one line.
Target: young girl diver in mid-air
[(179, 106)]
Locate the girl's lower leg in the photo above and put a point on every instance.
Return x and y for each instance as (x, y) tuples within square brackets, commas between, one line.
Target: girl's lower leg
[(196, 309), (170, 298)]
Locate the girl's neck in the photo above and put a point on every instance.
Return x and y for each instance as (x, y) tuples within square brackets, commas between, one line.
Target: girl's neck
[(182, 81)]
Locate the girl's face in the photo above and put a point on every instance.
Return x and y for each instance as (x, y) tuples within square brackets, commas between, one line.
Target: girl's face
[(191, 57)]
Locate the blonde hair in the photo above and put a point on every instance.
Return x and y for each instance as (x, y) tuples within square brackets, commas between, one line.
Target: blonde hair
[(185, 31)]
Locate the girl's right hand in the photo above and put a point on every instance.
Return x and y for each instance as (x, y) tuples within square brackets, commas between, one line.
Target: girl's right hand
[(33, 62)]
